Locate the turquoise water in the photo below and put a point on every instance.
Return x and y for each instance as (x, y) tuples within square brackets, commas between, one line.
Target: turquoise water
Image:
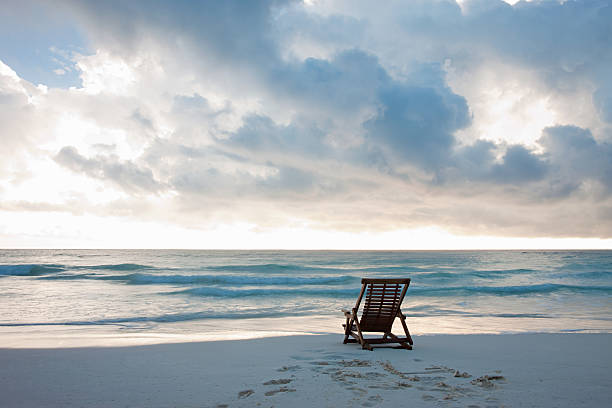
[(202, 292)]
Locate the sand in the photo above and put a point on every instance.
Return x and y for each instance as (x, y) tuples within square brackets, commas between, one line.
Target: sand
[(515, 370)]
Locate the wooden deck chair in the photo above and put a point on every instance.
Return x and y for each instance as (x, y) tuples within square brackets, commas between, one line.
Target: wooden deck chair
[(383, 298)]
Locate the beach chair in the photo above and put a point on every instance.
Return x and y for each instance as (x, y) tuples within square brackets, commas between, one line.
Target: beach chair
[(383, 298)]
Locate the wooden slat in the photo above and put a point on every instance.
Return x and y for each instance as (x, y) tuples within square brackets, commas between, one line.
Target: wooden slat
[(381, 281), (379, 299), (382, 298), (376, 306), (378, 312)]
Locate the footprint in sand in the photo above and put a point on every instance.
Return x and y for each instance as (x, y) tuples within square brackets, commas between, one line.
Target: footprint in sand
[(403, 385), (372, 375), (289, 368), (355, 363), (278, 382), (460, 374), (245, 393), (281, 389), (487, 381)]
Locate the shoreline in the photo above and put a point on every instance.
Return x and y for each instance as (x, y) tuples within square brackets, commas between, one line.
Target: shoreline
[(527, 369), (58, 336)]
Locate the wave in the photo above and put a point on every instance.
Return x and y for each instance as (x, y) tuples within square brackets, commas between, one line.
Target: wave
[(283, 268), (115, 267), (173, 317), (463, 274), (508, 290), (45, 269), (272, 268), (30, 269), (426, 292), (589, 275), (237, 280), (431, 310), (427, 271), (485, 273), (238, 293)]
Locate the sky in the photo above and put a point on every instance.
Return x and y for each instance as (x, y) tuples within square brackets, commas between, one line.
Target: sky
[(349, 124)]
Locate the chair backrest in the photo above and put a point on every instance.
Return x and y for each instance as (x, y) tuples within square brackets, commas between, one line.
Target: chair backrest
[(383, 298)]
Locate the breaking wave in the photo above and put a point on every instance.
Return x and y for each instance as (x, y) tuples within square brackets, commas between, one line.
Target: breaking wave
[(427, 291), (237, 280), (30, 269)]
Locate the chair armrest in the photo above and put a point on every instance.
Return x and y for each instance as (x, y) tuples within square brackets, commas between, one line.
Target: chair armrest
[(347, 313)]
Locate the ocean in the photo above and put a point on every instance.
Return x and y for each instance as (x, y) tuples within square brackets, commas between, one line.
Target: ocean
[(72, 297)]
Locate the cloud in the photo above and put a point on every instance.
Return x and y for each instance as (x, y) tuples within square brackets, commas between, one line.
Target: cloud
[(340, 115), (127, 175), (576, 158), (602, 98), (417, 123), (518, 165)]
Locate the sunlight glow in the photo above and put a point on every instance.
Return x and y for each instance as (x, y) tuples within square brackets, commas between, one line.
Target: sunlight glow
[(60, 230), (512, 110), (101, 72), (511, 117)]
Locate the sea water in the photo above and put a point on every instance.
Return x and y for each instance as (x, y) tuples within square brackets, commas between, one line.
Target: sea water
[(48, 297)]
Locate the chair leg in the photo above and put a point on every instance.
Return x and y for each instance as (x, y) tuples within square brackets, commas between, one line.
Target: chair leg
[(402, 343), (364, 343), (347, 330), (403, 320)]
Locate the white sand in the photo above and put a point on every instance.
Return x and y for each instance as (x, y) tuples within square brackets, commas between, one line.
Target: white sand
[(538, 370)]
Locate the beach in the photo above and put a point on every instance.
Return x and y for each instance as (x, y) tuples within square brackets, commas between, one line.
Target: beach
[(172, 328), (201, 201), (514, 370)]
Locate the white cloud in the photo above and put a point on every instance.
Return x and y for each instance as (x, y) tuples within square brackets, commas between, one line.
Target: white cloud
[(103, 73), (338, 123)]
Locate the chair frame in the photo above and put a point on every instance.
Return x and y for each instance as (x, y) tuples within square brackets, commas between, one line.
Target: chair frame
[(354, 327)]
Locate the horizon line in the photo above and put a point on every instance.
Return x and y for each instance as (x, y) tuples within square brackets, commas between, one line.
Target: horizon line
[(306, 249)]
